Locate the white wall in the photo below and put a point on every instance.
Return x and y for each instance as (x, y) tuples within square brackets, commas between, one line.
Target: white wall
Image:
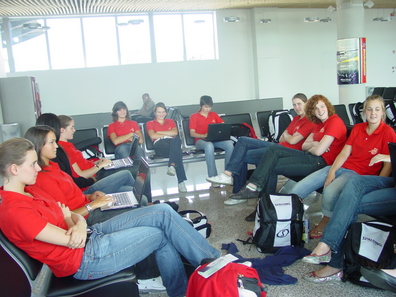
[(292, 56)]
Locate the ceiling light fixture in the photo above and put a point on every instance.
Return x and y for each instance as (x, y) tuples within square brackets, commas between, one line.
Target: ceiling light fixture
[(325, 20), (265, 21), (311, 19), (231, 19), (369, 4), (135, 22), (382, 19)]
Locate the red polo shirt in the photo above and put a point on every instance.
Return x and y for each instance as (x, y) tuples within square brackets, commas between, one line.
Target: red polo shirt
[(365, 147), (59, 185), (335, 127), (76, 156), (301, 125), (23, 217), (200, 123), (122, 128)]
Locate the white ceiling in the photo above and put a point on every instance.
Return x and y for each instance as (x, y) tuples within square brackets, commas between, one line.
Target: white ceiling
[(17, 8)]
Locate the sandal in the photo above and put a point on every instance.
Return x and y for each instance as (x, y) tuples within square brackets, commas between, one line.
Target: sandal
[(315, 233)]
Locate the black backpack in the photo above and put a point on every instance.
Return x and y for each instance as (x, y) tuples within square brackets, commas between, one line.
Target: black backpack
[(279, 222), (369, 244), (278, 121)]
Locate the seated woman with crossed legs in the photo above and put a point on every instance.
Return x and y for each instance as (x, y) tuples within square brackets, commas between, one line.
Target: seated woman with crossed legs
[(49, 232)]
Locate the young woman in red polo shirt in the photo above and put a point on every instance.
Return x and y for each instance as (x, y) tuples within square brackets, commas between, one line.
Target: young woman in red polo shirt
[(163, 132), (122, 131), (198, 126), (49, 232), (365, 141)]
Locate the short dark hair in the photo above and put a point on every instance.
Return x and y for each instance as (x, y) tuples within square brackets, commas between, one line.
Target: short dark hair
[(52, 120), (206, 100), (117, 106)]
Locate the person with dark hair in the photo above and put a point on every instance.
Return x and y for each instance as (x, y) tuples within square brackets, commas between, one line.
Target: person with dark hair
[(61, 158), (163, 132), (249, 150), (318, 150), (49, 232), (198, 126), (123, 130), (148, 107), (366, 140)]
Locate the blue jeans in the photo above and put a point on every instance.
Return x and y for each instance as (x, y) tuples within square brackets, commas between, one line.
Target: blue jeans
[(280, 160), (362, 194), (130, 237), (123, 151), (247, 150), (171, 148), (208, 147), (331, 193), (121, 181)]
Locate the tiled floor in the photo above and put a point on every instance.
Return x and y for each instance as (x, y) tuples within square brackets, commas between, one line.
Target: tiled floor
[(229, 225)]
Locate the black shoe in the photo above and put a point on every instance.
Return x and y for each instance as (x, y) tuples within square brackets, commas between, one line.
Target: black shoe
[(245, 193), (251, 217), (379, 278)]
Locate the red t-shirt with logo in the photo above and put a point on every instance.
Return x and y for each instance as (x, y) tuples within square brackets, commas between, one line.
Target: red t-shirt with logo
[(335, 127), (301, 125), (365, 147), (122, 128), (200, 123)]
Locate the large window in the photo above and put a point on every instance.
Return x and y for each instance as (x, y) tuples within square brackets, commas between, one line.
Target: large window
[(75, 42), (63, 33)]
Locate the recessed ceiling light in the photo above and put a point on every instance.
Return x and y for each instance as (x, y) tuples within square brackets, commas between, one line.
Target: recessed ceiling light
[(382, 19), (311, 19), (325, 20), (231, 19), (265, 21)]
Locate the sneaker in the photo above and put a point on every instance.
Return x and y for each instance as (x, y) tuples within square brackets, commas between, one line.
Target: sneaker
[(171, 171), (150, 285), (234, 201), (182, 187), (222, 178), (245, 193)]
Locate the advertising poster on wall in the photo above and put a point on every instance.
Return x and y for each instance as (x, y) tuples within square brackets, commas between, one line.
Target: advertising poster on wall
[(351, 61)]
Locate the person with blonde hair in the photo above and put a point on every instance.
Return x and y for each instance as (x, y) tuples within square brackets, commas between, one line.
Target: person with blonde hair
[(318, 150)]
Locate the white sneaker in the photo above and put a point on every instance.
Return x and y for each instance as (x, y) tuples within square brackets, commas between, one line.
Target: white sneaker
[(222, 178), (234, 201), (171, 171), (182, 187), (151, 285)]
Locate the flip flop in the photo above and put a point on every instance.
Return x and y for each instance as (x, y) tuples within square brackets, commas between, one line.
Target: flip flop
[(314, 233)]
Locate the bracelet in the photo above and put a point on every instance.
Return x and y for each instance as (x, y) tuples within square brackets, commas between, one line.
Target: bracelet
[(88, 207)]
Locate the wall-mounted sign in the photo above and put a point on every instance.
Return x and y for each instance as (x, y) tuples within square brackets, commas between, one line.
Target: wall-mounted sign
[(351, 61)]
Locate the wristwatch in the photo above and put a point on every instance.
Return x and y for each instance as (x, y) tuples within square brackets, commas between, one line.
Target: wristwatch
[(88, 207)]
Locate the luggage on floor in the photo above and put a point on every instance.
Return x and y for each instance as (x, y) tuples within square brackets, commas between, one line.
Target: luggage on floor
[(198, 220), (233, 280), (279, 222), (369, 244)]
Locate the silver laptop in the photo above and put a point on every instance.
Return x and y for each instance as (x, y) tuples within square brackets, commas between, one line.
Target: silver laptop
[(125, 162), (134, 197), (218, 132)]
